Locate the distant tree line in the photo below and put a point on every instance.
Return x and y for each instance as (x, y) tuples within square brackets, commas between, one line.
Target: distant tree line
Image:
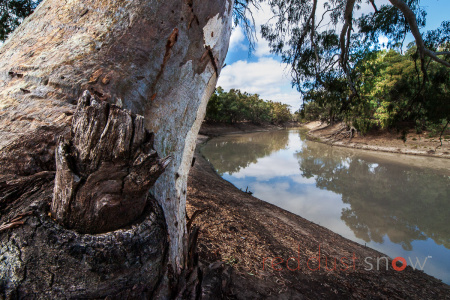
[(393, 93), (236, 106)]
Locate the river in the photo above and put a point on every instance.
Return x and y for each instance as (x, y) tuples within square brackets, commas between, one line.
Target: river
[(397, 204)]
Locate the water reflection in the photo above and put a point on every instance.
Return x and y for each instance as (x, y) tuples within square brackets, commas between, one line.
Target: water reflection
[(230, 154), (386, 199), (397, 204)]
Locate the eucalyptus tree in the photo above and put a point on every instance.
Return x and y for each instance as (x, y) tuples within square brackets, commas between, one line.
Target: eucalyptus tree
[(115, 88), (323, 41), (118, 89)]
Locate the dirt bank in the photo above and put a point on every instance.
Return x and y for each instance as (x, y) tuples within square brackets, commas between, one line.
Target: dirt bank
[(254, 239), (216, 129), (415, 144)]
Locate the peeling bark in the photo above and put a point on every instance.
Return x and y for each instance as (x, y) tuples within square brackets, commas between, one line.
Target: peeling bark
[(104, 172), (117, 51), (144, 56)]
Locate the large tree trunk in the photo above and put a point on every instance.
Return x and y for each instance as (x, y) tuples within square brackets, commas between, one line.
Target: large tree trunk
[(158, 59)]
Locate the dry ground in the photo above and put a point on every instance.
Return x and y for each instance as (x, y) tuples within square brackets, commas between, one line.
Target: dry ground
[(386, 141), (247, 234)]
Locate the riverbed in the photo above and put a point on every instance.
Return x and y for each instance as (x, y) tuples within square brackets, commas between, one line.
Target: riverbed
[(396, 204)]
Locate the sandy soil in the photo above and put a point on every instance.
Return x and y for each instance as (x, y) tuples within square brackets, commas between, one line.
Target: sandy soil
[(416, 144), (248, 237)]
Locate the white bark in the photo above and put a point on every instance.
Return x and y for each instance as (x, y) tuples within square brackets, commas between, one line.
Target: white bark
[(160, 59), (180, 129)]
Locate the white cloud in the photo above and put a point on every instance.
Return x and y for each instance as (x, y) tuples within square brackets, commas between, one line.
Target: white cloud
[(265, 169), (237, 40), (266, 77), (298, 178), (261, 17), (319, 206)]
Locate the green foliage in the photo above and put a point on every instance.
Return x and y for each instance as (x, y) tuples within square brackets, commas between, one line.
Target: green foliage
[(12, 13), (235, 106), (326, 104), (388, 21), (392, 94), (343, 76)]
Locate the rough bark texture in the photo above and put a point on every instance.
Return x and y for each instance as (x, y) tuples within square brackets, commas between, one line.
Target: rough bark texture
[(104, 172), (160, 59), (42, 260)]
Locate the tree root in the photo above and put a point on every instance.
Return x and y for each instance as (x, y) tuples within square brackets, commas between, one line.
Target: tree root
[(343, 133), (16, 221)]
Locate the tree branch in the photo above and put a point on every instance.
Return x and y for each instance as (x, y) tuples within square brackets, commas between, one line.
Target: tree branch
[(374, 6), (346, 30), (442, 53), (313, 20), (412, 22), (434, 57)]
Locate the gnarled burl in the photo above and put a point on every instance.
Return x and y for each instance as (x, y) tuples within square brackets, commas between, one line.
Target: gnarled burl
[(112, 241), (105, 170)]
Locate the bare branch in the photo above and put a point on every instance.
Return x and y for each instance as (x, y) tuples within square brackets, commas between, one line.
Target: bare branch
[(434, 57), (374, 6), (313, 29), (442, 53), (323, 15), (344, 42), (412, 22)]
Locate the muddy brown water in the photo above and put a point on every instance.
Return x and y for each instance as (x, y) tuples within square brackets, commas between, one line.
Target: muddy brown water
[(397, 204)]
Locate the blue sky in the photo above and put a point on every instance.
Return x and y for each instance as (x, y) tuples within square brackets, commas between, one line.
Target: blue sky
[(263, 73)]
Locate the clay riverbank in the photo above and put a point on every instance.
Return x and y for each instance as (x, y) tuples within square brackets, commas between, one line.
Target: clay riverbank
[(249, 242), (411, 143)]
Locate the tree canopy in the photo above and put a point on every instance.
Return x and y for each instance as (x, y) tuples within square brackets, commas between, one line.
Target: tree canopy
[(236, 106), (315, 54), (391, 94), (343, 70), (339, 70)]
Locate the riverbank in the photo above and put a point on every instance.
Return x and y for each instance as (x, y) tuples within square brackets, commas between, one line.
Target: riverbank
[(254, 239), (385, 141), (217, 129)]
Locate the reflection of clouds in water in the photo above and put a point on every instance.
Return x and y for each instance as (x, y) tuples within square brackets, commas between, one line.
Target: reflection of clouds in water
[(281, 163), (288, 197), (303, 180), (372, 167), (233, 153), (357, 194), (295, 142), (438, 265), (438, 270), (269, 167)]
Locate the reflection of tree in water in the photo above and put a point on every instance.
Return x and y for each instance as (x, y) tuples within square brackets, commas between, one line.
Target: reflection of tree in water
[(231, 153), (402, 202)]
